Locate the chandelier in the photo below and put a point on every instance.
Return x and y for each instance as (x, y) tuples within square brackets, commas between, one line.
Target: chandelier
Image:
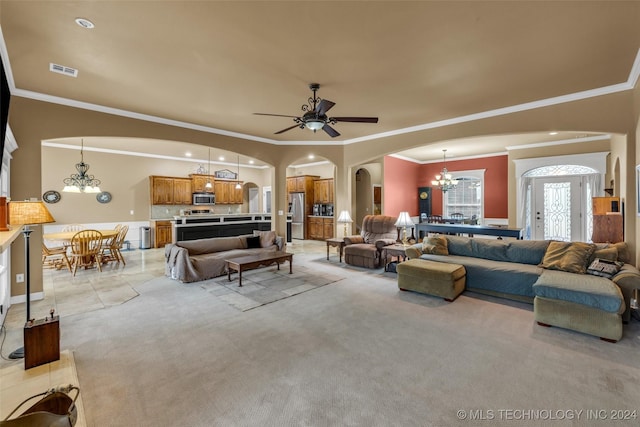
[(444, 181), (81, 182)]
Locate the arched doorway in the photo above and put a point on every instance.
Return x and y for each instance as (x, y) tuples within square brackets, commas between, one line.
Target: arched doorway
[(364, 199)]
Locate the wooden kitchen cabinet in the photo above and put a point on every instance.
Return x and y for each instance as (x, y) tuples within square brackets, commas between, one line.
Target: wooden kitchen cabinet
[(199, 182), (227, 193), (161, 190), (320, 228), (182, 194), (323, 190), (166, 190), (163, 233)]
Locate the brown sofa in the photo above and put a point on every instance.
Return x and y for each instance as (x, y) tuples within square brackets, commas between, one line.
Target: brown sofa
[(365, 250)]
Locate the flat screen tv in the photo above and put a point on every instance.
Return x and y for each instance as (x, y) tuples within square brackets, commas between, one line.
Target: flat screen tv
[(4, 109)]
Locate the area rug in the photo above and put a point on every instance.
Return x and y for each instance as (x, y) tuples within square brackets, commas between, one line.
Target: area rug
[(266, 285)]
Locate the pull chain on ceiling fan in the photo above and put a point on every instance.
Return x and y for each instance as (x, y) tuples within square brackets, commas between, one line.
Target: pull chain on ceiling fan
[(315, 116)]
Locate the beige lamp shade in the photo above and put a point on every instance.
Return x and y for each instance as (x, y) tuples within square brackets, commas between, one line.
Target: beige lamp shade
[(344, 217), (404, 220), (28, 213)]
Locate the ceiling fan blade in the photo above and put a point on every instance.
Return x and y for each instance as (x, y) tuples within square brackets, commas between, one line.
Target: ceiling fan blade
[(324, 106), (331, 131), (284, 130), (356, 119), (275, 115)]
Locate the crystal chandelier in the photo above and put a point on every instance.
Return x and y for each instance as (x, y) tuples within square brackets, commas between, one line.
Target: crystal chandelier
[(81, 182), (444, 181)]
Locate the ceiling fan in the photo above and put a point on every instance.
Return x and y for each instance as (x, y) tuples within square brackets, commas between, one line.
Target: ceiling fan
[(315, 116)]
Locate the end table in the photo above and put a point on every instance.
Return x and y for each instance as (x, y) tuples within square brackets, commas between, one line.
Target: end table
[(391, 251), (339, 243)]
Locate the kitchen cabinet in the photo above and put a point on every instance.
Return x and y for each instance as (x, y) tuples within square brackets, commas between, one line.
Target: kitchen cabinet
[(323, 191), (182, 194), (227, 193), (320, 228), (163, 234), (199, 182), (167, 190)]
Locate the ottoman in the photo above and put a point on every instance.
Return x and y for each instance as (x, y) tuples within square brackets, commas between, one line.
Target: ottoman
[(432, 278)]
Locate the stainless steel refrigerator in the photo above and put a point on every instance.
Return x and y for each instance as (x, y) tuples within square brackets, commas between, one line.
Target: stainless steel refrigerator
[(296, 201)]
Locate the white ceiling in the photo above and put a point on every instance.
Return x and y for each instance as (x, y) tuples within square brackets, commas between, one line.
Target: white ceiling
[(213, 64)]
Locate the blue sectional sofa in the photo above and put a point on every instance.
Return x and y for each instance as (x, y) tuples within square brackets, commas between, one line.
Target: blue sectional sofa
[(514, 269)]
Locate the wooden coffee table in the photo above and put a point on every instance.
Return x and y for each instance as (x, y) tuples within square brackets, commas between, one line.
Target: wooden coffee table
[(250, 262)]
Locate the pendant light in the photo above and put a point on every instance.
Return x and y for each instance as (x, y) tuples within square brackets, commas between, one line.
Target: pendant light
[(444, 181), (238, 185), (81, 182), (208, 185)]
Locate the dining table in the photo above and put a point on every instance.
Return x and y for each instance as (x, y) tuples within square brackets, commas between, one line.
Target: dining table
[(66, 236)]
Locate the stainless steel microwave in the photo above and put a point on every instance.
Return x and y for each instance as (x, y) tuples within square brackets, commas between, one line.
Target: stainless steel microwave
[(204, 199)]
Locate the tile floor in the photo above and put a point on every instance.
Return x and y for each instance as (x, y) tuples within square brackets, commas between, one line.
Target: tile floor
[(89, 290)]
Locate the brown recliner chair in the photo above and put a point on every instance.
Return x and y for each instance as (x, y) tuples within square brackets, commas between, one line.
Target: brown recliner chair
[(365, 250)]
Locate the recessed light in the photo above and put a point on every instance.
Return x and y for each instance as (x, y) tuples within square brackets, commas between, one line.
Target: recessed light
[(221, 158), (251, 162), (85, 23), (553, 133), (311, 156), (188, 154)]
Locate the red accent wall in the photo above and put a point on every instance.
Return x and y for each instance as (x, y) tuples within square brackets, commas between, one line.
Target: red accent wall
[(400, 191), (400, 174)]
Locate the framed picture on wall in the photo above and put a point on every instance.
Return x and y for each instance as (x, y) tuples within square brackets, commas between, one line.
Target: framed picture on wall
[(638, 190)]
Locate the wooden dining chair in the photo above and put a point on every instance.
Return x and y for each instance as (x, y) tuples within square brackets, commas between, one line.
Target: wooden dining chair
[(55, 257), (111, 248), (434, 219), (85, 249)]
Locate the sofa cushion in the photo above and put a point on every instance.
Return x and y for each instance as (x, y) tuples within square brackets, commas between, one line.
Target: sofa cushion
[(212, 244), (435, 245), (571, 257), (267, 238), (526, 251), (591, 291), (609, 253), (459, 246)]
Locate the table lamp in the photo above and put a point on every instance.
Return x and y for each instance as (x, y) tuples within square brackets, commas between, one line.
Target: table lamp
[(345, 219), (404, 221), (26, 213)]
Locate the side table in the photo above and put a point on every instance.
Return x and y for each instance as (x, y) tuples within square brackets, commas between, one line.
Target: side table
[(336, 243), (391, 251)]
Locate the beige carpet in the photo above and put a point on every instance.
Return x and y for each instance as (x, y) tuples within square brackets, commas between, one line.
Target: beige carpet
[(356, 352), (266, 285)]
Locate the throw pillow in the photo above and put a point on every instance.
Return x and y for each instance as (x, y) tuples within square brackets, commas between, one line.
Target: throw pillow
[(609, 253), (435, 246), (567, 256), (253, 242), (604, 268), (623, 252), (267, 238)]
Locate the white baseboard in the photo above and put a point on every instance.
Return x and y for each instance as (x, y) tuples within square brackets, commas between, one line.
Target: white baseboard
[(35, 296)]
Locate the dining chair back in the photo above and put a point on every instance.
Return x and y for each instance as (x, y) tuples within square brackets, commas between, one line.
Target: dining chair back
[(111, 249), (434, 219), (86, 250), (55, 257)]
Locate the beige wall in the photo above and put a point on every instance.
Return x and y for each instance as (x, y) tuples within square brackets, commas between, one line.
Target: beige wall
[(35, 121)]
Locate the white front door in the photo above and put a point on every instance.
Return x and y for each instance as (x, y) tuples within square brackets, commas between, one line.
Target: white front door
[(557, 208)]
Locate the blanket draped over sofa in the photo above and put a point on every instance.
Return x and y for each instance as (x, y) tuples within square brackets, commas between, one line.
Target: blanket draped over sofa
[(202, 259)]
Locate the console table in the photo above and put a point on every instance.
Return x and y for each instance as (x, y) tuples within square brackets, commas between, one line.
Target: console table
[(486, 230)]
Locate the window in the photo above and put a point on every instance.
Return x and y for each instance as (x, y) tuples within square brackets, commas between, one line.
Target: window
[(467, 197)]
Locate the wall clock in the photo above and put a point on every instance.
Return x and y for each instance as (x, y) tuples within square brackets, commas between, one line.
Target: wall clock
[(51, 196), (104, 197), (424, 195)]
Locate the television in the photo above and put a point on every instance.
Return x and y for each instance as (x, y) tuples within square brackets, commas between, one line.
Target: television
[(4, 109)]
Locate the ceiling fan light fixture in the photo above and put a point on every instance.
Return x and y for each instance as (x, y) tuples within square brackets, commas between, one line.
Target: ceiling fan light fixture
[(314, 125)]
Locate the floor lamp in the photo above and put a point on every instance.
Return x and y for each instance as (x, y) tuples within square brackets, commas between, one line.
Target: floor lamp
[(27, 213)]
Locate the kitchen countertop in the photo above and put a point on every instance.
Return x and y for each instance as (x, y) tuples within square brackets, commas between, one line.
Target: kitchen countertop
[(320, 216)]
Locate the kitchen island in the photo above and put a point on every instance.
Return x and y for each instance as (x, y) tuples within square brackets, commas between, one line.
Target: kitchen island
[(202, 226)]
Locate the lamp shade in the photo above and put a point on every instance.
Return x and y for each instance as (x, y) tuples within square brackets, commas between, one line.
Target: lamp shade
[(344, 217), (27, 213), (404, 220)]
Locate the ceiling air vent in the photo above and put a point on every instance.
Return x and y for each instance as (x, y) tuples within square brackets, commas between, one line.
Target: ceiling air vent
[(61, 69)]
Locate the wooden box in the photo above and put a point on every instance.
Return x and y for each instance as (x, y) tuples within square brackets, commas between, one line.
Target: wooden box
[(41, 342)]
